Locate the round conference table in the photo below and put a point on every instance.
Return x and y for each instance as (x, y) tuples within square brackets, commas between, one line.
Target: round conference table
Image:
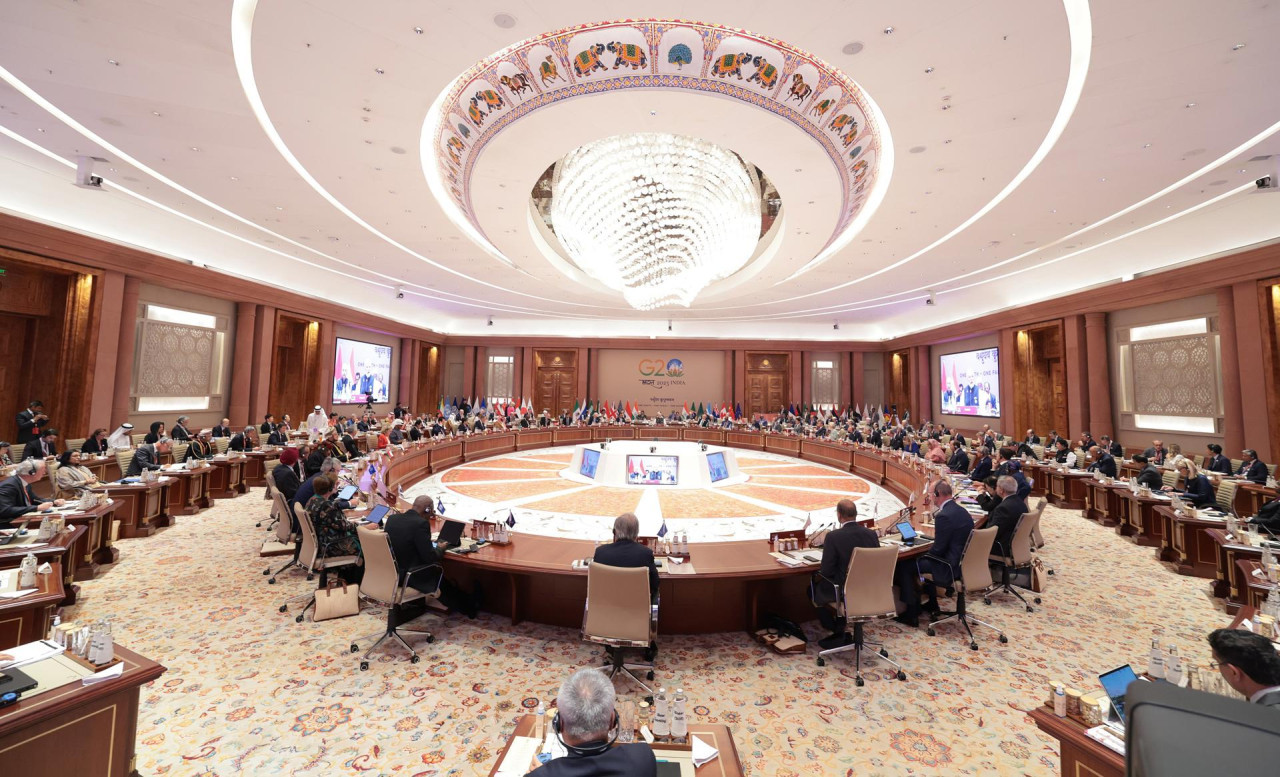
[(734, 582)]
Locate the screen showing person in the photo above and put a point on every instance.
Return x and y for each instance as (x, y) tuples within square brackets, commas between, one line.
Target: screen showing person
[(653, 470), (715, 464), (361, 372), (969, 383), (590, 460)]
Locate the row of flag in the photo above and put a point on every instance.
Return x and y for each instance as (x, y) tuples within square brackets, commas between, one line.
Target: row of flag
[(585, 408)]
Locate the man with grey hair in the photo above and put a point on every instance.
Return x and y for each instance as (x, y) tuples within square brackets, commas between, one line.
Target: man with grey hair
[(147, 456), (624, 551), (1006, 515), (16, 497), (585, 723), (180, 432)]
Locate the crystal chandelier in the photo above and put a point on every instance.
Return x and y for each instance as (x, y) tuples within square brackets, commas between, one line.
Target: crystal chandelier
[(657, 217)]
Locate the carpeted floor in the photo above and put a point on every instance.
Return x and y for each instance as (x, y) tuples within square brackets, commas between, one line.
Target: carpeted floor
[(249, 690)]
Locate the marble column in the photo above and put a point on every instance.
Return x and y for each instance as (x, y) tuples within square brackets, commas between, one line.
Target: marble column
[(1099, 375), (242, 364), (122, 402)]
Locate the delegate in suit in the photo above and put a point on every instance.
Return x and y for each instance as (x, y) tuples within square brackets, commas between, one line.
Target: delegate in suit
[(413, 548), (952, 527), (837, 552), (624, 551)]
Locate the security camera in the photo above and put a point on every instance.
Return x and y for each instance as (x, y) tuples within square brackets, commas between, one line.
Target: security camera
[(85, 178), (399, 292), (490, 320), (931, 300), (836, 325), (668, 326), (1267, 184)]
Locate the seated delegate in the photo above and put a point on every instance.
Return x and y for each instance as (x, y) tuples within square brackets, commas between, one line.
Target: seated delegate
[(586, 724), (1249, 663), (1251, 469), (335, 535), (16, 497), (287, 474), (951, 530), (410, 536), (73, 480), (147, 456), (1150, 475), (96, 444), (1196, 488), (625, 551), (837, 552)]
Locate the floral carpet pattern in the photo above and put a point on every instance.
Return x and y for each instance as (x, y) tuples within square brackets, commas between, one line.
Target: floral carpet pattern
[(249, 691)]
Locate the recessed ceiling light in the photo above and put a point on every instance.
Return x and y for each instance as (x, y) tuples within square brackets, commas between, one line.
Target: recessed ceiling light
[(1238, 46), (418, 30), (653, 113), (888, 30), (111, 169), (505, 20), (156, 113), (1053, 210), (113, 62), (852, 48), (39, 129), (1191, 105), (1104, 180), (797, 169), (948, 140), (379, 70), (946, 107), (234, 178), (195, 148), (1243, 170), (928, 70), (1146, 145), (279, 207)]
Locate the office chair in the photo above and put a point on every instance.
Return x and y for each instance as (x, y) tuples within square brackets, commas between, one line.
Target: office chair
[(1226, 495), (1013, 559), (75, 443), (620, 615), (284, 535), (311, 557), (1037, 539), (384, 582), (221, 444), (180, 451), (974, 575), (138, 439), (123, 459), (269, 477), (867, 595)]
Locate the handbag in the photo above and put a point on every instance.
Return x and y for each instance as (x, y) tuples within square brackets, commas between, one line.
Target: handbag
[(1039, 575), (337, 600)]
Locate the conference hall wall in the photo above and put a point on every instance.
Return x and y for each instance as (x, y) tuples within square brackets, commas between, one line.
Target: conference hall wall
[(660, 380)]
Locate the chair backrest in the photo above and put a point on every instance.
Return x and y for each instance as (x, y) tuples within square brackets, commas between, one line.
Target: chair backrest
[(1170, 478), (310, 545), (138, 439), (180, 450), (221, 444), (1020, 545), (1036, 511), (975, 571), (1199, 460), (123, 458), (618, 603), (280, 512), (381, 575), (1236, 464), (75, 443), (868, 585), (1038, 450), (1226, 495), (269, 477)]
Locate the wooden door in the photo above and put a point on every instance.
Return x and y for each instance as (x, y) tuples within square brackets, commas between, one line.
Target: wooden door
[(555, 381), (1058, 380), (767, 382), (13, 362)]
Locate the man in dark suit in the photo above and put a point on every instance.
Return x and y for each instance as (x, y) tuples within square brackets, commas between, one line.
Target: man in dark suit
[(1216, 461), (180, 432), (410, 536), (42, 447), (624, 551), (16, 497), (1249, 663), (147, 456), (982, 467), (223, 429), (1005, 516), (268, 425), (242, 441), (585, 722), (1006, 456), (959, 461), (951, 530), (1156, 453), (837, 552), (1251, 469), (1103, 461), (31, 421), (1032, 438), (1150, 475), (1111, 446)]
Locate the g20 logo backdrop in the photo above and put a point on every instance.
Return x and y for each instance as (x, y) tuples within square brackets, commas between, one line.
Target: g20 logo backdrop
[(660, 368)]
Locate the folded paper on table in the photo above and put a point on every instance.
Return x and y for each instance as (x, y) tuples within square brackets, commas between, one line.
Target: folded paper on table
[(16, 594), (703, 752), (110, 673)]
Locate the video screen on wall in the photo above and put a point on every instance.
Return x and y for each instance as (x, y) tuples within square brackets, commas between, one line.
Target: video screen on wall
[(590, 460), (716, 467), (653, 470), (970, 383), (361, 372)]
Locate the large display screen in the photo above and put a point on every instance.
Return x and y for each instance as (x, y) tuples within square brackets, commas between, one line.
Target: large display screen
[(970, 383), (653, 470), (361, 372), (716, 465), (590, 460)]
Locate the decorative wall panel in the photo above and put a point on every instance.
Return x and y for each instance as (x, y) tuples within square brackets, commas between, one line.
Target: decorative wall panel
[(175, 360), (1176, 376)]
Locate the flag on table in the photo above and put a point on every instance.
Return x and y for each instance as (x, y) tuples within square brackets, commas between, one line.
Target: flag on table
[(808, 521), (439, 506), (511, 518), (737, 411), (662, 530)]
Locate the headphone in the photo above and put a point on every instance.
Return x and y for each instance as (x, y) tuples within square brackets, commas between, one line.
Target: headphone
[(587, 751)]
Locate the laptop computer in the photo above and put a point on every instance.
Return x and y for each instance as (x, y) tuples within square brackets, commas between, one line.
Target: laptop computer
[(909, 533), (1115, 683), (17, 533), (376, 515), (450, 535), (347, 492)]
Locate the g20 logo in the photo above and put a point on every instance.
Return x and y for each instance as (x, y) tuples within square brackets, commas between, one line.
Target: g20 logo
[(658, 368)]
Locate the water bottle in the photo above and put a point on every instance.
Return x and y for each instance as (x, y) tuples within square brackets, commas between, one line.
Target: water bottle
[(540, 721), (1155, 664), (46, 530), (1268, 557), (1173, 665), (27, 572), (679, 720), (661, 727)]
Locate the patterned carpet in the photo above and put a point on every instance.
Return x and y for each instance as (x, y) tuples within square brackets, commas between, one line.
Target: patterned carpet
[(248, 690)]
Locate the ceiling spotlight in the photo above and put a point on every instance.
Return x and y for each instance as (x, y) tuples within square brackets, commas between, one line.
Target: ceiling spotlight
[(39, 129), (156, 113), (505, 20), (852, 48), (668, 325), (234, 178), (1243, 170), (490, 320), (1146, 145), (836, 325), (1238, 46), (113, 62), (379, 70), (1191, 105), (418, 30), (888, 30), (1104, 180), (195, 148), (946, 107), (928, 70), (279, 207)]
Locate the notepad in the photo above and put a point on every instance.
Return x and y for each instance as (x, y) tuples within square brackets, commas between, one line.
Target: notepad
[(517, 762)]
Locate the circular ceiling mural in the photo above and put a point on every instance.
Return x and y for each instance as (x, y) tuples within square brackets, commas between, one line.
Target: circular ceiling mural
[(577, 62)]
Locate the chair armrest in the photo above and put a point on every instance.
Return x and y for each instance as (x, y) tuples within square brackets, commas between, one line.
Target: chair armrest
[(942, 560)]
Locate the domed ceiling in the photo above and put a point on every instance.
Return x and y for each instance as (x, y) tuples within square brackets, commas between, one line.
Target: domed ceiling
[(983, 155)]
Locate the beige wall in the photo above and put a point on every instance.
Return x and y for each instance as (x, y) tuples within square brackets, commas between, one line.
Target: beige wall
[(639, 376)]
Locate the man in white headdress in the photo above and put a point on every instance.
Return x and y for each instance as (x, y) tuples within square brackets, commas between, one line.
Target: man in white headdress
[(317, 421)]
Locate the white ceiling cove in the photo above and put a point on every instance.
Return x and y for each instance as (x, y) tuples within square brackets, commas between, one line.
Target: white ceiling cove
[(1026, 150)]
